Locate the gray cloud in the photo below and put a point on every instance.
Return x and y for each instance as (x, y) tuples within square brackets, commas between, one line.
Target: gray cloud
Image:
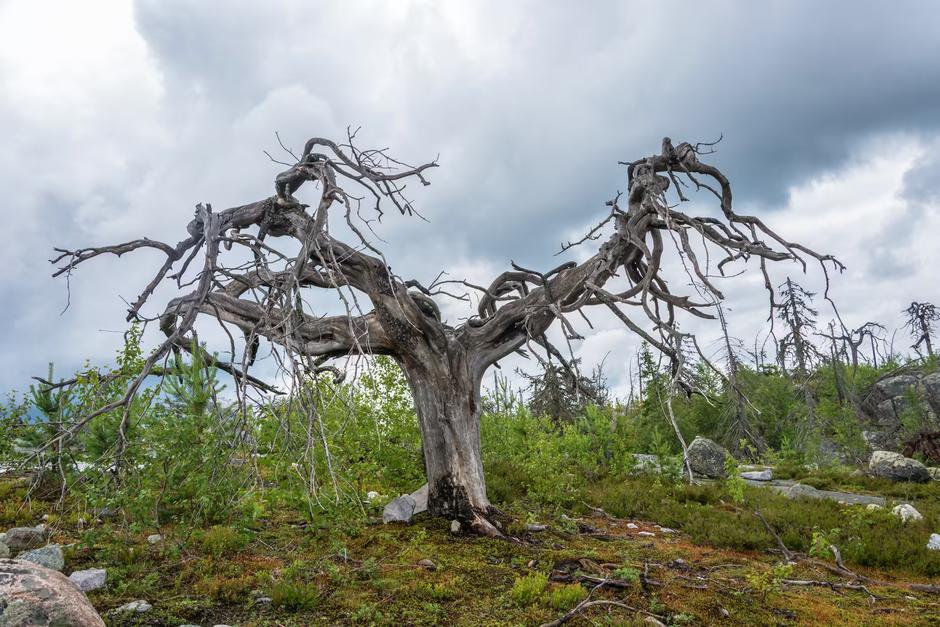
[(530, 105)]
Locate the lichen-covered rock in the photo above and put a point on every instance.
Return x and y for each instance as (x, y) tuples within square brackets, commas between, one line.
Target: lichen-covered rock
[(887, 401), (906, 512), (4, 551), (896, 467), (22, 538), (88, 580), (134, 607), (33, 595), (646, 463), (406, 506), (707, 458), (934, 473), (49, 556), (758, 475), (933, 544)]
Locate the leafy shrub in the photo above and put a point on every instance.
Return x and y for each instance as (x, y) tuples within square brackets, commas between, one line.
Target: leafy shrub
[(294, 597), (567, 596), (220, 541), (627, 573), (528, 589)]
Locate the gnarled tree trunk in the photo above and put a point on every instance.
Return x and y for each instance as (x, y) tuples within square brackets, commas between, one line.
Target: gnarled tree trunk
[(447, 398)]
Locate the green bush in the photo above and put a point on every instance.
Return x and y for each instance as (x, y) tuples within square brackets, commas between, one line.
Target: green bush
[(294, 597), (567, 596), (528, 589), (220, 541)]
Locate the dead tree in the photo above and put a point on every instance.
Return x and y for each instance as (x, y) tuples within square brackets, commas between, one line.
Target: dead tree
[(797, 313), (920, 321), (796, 347), (562, 393), (264, 297), (738, 426)]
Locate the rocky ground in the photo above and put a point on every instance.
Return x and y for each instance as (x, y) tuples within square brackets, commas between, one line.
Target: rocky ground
[(644, 552)]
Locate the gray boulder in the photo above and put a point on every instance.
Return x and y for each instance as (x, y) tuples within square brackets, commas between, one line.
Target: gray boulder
[(896, 467), (134, 607), (646, 463), (88, 580), (22, 538), (33, 595), (406, 506), (4, 551), (49, 556), (707, 458), (933, 544), (758, 475), (906, 512), (887, 401), (934, 473)]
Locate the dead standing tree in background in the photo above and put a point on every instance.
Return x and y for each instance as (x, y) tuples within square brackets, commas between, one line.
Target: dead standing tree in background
[(443, 364), (920, 320), (796, 347)]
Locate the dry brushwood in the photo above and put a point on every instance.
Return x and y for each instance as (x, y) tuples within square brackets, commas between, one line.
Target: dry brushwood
[(265, 296)]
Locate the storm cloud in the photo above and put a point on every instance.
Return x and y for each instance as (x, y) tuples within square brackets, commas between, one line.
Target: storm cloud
[(117, 119)]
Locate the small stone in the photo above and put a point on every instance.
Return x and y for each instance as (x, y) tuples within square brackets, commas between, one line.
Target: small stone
[(758, 475), (426, 563), (646, 534), (154, 538), (906, 512), (535, 528), (88, 580), (649, 620), (666, 530), (873, 506), (406, 506), (106, 513), (137, 607), (371, 495), (646, 463), (221, 625), (45, 517), (933, 544), (455, 526), (632, 526), (3, 537), (934, 473), (22, 538), (4, 551), (725, 613), (49, 556), (256, 594), (189, 626), (264, 601), (532, 564)]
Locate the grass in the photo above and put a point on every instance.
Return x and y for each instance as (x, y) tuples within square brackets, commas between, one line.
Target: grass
[(367, 574)]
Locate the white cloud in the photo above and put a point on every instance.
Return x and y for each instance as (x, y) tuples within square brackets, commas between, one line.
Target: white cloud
[(118, 118)]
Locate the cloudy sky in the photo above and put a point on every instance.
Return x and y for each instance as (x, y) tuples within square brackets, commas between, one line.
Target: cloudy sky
[(118, 117)]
